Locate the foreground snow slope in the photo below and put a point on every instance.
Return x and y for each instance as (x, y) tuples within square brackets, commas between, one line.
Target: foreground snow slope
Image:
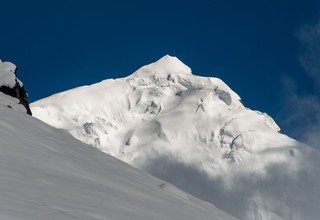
[(47, 174), (195, 133)]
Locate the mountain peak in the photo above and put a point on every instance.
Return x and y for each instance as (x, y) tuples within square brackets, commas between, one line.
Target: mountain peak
[(164, 66), (194, 132)]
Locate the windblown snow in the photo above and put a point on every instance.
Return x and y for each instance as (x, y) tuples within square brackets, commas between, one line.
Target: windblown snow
[(47, 174), (195, 133)]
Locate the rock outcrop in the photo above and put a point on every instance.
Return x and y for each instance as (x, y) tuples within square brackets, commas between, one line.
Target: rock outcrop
[(12, 86)]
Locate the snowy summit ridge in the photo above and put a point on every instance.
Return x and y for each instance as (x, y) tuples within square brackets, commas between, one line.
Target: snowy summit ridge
[(194, 132)]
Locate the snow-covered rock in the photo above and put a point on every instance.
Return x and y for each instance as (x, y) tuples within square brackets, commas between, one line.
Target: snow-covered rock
[(12, 86), (47, 174), (195, 133)]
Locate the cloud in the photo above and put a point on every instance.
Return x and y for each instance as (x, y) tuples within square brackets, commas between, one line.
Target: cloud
[(302, 109), (279, 192), (309, 37)]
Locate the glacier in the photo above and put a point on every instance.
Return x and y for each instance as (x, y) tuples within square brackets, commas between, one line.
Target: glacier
[(195, 133)]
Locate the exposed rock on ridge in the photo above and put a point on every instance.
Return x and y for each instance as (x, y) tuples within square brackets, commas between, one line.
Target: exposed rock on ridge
[(12, 86)]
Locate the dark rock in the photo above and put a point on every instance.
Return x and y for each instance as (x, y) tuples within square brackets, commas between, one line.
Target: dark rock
[(18, 92)]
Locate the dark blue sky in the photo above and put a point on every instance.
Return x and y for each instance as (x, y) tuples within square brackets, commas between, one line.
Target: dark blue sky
[(251, 45)]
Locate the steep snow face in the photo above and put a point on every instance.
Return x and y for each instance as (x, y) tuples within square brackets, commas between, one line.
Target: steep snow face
[(195, 133), (47, 174)]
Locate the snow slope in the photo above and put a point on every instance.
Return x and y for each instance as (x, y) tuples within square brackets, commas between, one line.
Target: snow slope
[(47, 174), (194, 132)]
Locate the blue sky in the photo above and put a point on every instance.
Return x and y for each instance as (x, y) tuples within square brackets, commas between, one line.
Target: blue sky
[(254, 46)]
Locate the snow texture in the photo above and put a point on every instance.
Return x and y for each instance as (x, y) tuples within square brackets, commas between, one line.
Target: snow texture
[(195, 133), (47, 174)]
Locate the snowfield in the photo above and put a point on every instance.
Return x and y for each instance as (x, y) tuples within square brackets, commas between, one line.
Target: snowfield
[(195, 133), (47, 174)]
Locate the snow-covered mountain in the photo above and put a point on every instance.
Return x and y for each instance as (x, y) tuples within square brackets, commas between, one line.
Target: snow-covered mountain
[(195, 133), (47, 174)]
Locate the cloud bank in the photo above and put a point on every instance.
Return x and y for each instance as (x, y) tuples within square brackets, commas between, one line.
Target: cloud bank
[(302, 108)]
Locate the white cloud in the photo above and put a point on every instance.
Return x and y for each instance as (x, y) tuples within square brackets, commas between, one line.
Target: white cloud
[(309, 37), (302, 109)]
